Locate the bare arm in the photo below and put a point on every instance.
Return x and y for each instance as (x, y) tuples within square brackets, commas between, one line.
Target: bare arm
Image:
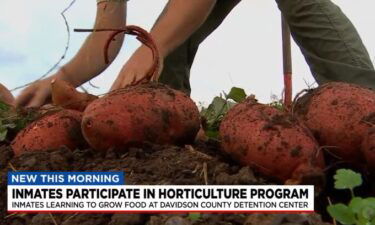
[(89, 61), (179, 20)]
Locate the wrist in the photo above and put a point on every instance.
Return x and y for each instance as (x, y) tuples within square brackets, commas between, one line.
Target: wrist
[(145, 51), (62, 74), (163, 49)]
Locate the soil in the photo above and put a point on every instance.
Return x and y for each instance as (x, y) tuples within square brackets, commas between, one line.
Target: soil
[(201, 164)]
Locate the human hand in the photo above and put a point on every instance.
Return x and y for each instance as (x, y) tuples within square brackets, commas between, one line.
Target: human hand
[(35, 95), (137, 68), (6, 96)]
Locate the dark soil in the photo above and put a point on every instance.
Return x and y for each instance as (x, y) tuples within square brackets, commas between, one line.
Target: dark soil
[(198, 164)]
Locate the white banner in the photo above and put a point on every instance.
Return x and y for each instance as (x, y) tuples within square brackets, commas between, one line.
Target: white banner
[(160, 199)]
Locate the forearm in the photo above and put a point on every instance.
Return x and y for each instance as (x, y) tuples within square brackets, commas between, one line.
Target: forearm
[(89, 61), (179, 20)]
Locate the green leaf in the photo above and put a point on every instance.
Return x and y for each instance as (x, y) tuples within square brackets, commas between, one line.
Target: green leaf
[(370, 201), (364, 209), (342, 213), (213, 115), (218, 108), (347, 179), (218, 104), (3, 134), (368, 209), (356, 205), (215, 108), (368, 212), (277, 105), (237, 94), (4, 106), (194, 216)]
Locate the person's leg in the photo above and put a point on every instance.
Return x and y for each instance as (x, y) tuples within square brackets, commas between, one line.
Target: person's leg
[(177, 65), (329, 41)]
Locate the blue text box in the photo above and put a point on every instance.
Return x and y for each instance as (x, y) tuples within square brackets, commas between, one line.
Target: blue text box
[(66, 178)]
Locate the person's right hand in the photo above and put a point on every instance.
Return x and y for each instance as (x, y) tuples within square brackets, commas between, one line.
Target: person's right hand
[(136, 68), (35, 95)]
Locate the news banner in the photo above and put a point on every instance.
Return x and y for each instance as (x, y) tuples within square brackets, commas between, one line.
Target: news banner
[(96, 192)]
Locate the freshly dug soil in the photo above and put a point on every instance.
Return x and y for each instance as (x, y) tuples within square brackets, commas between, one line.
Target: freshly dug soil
[(195, 165)]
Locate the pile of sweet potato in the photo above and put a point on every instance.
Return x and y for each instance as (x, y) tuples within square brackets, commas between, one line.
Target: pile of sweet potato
[(124, 118), (144, 113), (272, 141), (336, 116), (53, 130), (342, 118), (288, 145)]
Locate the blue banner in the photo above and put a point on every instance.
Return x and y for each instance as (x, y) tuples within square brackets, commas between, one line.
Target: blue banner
[(66, 178)]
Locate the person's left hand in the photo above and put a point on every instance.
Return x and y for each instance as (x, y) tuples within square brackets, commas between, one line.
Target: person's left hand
[(137, 68)]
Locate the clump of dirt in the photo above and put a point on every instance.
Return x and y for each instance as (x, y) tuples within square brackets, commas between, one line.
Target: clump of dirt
[(200, 164)]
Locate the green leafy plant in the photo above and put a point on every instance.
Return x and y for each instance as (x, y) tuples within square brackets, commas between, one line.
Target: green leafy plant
[(4, 129), (4, 125), (220, 105), (359, 211), (276, 102), (194, 216), (12, 120)]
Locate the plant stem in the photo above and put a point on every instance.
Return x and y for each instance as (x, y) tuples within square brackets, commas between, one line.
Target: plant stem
[(352, 192), (333, 219)]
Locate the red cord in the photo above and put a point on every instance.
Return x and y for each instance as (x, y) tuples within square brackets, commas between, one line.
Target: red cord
[(143, 36)]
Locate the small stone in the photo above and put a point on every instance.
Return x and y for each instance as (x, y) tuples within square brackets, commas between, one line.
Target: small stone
[(29, 163), (246, 176), (223, 179), (177, 220)]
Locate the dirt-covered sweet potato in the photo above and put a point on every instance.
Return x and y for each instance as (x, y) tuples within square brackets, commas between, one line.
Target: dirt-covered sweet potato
[(6, 96), (273, 142), (53, 130), (66, 96), (368, 148), (338, 114), (143, 113)]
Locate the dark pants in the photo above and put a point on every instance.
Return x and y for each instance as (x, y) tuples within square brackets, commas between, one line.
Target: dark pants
[(328, 40)]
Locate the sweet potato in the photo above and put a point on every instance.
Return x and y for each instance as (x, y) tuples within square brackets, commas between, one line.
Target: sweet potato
[(137, 114), (368, 148), (66, 96), (337, 114), (61, 128), (273, 142), (6, 96)]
